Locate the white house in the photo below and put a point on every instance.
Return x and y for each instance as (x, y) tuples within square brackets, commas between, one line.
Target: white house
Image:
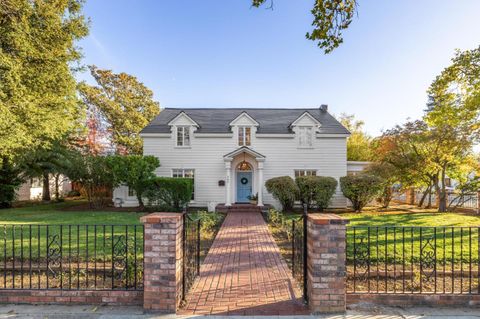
[(231, 152)]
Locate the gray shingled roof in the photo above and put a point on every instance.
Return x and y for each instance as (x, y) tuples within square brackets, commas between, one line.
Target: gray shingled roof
[(216, 120)]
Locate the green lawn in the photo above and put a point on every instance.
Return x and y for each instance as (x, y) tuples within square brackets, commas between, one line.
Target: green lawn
[(28, 230), (388, 235), (43, 214)]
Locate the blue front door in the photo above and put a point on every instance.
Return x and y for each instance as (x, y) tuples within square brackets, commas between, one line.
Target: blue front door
[(244, 186)]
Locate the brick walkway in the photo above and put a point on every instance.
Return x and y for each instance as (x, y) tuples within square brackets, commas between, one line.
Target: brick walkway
[(244, 273)]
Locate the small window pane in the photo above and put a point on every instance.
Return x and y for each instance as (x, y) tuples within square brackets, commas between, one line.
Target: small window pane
[(131, 192), (241, 135), (186, 135), (247, 136), (305, 172), (179, 136)]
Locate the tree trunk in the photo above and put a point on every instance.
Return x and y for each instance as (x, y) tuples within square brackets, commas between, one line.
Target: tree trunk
[(424, 195), (442, 202), (57, 187), (141, 205), (46, 187)]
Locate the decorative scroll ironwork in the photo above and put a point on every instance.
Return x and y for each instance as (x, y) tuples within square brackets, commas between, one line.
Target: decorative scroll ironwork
[(428, 258), (54, 255), (361, 258), (119, 256)]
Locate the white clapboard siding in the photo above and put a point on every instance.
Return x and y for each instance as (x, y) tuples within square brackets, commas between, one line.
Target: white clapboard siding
[(282, 157)]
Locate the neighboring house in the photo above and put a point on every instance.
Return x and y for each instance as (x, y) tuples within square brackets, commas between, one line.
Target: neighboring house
[(231, 152), (33, 188)]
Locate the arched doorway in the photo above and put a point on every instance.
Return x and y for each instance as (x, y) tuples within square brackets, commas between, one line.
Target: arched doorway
[(244, 178)]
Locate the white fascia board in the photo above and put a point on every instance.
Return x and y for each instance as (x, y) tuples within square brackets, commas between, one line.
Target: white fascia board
[(244, 114), (271, 135), (144, 135), (183, 114), (294, 123), (319, 135), (214, 135)]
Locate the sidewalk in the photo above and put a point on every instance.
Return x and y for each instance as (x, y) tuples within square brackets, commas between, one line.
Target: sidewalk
[(91, 312)]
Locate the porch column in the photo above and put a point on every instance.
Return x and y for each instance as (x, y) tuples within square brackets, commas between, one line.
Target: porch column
[(228, 183), (260, 183)]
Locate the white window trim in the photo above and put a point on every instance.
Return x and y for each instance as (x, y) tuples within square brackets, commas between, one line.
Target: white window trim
[(244, 129), (184, 127), (183, 176), (304, 170), (312, 136)]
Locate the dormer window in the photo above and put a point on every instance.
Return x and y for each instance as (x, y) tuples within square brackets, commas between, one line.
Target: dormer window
[(183, 136), (244, 135), (305, 136)]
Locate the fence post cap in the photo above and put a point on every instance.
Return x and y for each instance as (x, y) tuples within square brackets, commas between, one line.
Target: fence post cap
[(160, 217), (327, 219)]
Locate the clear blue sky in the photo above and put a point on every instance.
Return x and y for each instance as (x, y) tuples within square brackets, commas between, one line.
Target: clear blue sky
[(215, 53)]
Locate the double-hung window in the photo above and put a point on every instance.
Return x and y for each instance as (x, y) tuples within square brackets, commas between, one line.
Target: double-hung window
[(185, 173), (305, 172), (244, 136), (305, 136), (183, 136)]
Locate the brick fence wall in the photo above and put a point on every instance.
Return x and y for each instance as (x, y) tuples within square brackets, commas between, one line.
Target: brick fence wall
[(326, 270), (412, 300), (95, 297)]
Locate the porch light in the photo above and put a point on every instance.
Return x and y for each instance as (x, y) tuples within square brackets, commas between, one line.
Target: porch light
[(244, 166)]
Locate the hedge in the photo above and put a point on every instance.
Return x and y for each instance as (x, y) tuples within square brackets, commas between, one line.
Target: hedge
[(168, 193), (360, 189), (316, 190), (283, 189)]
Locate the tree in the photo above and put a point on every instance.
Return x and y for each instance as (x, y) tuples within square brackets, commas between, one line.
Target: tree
[(359, 144), (330, 18), (10, 181), (38, 55), (125, 104), (360, 189), (45, 162), (94, 174), (388, 176), (134, 171), (453, 116)]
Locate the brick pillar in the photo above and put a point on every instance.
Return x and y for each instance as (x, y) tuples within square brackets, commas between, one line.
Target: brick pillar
[(326, 244), (163, 254), (410, 196)]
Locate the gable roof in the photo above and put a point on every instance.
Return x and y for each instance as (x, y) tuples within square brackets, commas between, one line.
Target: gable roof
[(182, 113), (302, 116), (270, 120)]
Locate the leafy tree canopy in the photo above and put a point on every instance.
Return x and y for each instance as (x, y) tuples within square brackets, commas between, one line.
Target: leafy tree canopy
[(359, 144), (38, 55), (330, 19), (126, 105)]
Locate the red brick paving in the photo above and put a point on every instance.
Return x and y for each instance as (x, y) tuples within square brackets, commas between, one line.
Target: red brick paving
[(244, 274)]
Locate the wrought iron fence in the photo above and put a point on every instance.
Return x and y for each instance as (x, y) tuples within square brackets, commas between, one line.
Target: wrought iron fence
[(289, 231), (391, 259), (71, 257), (299, 252), (196, 243)]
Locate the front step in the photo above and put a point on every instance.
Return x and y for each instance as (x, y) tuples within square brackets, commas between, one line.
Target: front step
[(241, 208)]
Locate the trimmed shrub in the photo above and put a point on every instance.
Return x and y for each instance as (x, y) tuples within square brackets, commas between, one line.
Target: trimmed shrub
[(210, 221), (316, 190), (283, 189), (360, 189), (168, 193)]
